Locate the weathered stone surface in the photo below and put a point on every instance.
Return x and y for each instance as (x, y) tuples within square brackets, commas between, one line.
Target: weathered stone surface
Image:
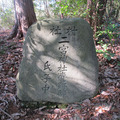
[(59, 62)]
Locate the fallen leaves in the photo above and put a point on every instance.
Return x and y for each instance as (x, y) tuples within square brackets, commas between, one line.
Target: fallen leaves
[(105, 105)]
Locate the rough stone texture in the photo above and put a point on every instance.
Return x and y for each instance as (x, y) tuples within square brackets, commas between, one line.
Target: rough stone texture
[(59, 62)]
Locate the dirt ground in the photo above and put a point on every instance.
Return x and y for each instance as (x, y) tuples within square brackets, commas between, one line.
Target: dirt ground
[(104, 106)]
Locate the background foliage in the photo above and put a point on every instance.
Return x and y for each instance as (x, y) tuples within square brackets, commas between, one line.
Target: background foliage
[(54, 9), (6, 14), (74, 8)]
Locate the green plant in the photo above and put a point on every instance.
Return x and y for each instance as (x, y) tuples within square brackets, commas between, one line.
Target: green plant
[(6, 18), (71, 8), (111, 32), (104, 51)]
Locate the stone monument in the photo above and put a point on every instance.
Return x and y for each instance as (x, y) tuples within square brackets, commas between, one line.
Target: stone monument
[(59, 62)]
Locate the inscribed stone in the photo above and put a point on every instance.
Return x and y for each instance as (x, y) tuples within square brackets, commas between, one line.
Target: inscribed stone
[(59, 62)]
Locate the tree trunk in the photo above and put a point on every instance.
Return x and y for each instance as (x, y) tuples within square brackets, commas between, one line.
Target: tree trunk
[(46, 8), (96, 11), (117, 13), (90, 11), (101, 11), (24, 17)]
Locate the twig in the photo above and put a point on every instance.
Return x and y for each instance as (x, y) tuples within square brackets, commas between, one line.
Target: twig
[(4, 101), (6, 113), (42, 108)]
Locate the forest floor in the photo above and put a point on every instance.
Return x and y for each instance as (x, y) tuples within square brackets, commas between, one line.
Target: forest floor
[(104, 106)]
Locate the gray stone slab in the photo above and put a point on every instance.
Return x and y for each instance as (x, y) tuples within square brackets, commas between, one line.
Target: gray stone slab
[(59, 62)]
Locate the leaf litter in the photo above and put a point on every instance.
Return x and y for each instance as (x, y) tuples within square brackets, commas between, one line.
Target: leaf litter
[(105, 105)]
